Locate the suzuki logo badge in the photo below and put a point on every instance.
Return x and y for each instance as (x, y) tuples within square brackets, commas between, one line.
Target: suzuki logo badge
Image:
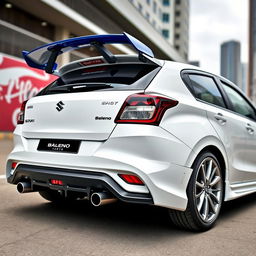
[(60, 105)]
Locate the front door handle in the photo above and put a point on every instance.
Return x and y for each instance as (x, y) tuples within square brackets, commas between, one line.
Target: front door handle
[(220, 118), (249, 129)]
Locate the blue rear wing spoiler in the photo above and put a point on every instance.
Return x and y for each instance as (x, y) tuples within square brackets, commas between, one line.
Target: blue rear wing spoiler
[(44, 57)]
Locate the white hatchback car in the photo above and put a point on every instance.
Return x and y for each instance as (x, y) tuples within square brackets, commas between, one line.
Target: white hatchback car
[(137, 129)]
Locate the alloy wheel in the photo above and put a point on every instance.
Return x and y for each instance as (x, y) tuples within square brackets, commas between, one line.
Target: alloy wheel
[(208, 190)]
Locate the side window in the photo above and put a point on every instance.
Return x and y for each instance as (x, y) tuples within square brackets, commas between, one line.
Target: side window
[(205, 88), (240, 105)]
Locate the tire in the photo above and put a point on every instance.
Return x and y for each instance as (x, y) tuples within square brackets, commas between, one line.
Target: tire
[(205, 195), (57, 197)]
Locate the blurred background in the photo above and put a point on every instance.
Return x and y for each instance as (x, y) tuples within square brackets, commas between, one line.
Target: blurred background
[(218, 36)]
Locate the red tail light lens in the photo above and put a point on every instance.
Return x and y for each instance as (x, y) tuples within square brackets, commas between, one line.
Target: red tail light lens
[(14, 164), (131, 179), (21, 115), (144, 109), (57, 182)]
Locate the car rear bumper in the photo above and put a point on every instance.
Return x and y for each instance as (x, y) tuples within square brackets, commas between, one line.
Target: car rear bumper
[(151, 153)]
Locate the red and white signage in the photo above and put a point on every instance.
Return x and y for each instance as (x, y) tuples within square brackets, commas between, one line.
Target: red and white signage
[(18, 82)]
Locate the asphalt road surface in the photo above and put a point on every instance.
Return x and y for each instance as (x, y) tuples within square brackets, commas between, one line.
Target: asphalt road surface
[(29, 225)]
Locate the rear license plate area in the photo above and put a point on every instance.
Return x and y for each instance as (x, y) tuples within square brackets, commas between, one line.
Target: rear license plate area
[(58, 145)]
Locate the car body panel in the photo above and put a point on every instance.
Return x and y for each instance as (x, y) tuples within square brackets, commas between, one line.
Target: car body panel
[(236, 139), (82, 115)]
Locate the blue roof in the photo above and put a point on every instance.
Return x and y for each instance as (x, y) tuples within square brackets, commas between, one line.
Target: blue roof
[(41, 56)]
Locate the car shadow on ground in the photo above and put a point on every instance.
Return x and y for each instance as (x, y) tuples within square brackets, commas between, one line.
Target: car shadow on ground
[(128, 220), (235, 207)]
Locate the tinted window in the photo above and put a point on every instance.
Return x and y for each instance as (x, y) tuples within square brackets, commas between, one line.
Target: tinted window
[(165, 33), (166, 17), (240, 105), (205, 89), (104, 77), (166, 2)]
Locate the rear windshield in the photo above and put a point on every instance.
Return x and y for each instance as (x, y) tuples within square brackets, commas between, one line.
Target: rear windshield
[(104, 77)]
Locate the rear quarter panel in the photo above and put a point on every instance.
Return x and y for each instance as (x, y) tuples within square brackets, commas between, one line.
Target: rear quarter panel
[(187, 121)]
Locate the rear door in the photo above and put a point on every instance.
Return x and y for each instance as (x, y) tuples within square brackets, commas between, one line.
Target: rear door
[(228, 125), (244, 113)]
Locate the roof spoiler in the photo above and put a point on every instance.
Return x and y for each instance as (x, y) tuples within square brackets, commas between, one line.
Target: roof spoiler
[(44, 57)]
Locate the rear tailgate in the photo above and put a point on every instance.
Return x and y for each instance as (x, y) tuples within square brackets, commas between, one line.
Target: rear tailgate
[(82, 116), (84, 102)]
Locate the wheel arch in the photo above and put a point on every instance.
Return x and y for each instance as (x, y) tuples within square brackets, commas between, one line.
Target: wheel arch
[(215, 146), (214, 150)]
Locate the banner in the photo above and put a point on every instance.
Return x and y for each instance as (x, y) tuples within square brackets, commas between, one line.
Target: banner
[(18, 82)]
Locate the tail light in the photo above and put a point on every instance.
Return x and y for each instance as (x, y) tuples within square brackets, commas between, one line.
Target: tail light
[(144, 109), (21, 115), (57, 182)]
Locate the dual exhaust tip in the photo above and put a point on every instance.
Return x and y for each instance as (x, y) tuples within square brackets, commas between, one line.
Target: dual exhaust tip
[(96, 199), (24, 187), (102, 198)]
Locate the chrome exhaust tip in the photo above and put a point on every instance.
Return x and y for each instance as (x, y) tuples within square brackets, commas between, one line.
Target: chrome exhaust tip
[(102, 198), (24, 187)]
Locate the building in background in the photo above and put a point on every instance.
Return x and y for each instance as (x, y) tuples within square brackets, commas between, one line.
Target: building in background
[(24, 25), (251, 90), (230, 66), (181, 27), (244, 77), (27, 24), (169, 18)]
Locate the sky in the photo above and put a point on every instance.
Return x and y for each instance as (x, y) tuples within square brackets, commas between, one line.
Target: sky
[(213, 22)]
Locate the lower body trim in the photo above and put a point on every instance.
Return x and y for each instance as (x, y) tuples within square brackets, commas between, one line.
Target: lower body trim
[(75, 180)]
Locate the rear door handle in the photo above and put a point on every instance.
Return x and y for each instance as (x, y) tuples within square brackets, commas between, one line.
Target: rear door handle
[(220, 118), (249, 129)]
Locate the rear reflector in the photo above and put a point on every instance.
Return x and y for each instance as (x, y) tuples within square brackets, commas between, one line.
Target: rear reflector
[(14, 164), (131, 179), (144, 109), (56, 182)]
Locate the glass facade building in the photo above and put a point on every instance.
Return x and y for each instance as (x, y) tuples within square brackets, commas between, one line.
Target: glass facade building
[(170, 18), (230, 66)]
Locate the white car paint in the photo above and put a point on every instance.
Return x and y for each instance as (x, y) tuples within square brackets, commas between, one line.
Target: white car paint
[(162, 156)]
